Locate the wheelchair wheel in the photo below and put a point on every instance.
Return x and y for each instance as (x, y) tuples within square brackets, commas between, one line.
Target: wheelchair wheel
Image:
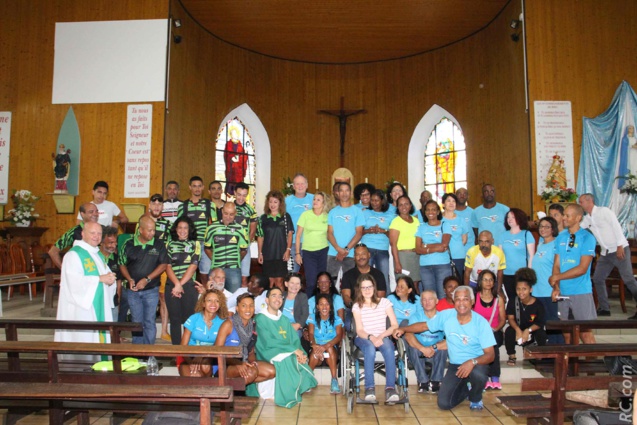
[(345, 365), (350, 402)]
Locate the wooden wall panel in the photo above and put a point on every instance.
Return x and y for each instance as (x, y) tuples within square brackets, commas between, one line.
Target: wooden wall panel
[(579, 50), (26, 76), (210, 78)]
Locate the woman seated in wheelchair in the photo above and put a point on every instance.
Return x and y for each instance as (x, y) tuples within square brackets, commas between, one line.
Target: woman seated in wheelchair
[(325, 330), (370, 317)]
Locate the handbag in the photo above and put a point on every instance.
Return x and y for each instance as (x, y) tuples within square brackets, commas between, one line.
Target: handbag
[(454, 270)]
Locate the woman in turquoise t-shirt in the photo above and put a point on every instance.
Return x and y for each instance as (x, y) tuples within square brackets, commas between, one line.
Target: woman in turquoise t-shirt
[(201, 329), (432, 241), (376, 231), (518, 245), (325, 330), (312, 230)]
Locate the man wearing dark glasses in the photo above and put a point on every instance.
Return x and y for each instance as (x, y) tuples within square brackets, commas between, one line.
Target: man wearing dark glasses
[(571, 279)]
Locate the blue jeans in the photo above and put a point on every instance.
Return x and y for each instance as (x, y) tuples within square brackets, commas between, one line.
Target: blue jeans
[(431, 278), (204, 260), (296, 266), (123, 306), (438, 363), (314, 262), (459, 263), (550, 309), (369, 355), (380, 260), (454, 391), (143, 309), (233, 279), (245, 264)]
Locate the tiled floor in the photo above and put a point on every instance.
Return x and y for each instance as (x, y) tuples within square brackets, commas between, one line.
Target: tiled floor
[(319, 407)]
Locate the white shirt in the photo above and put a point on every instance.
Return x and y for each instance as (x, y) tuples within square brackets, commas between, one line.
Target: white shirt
[(604, 224), (107, 210), (259, 302)]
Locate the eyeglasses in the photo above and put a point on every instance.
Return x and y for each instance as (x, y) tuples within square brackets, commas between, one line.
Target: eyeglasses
[(548, 226), (365, 288), (571, 241)]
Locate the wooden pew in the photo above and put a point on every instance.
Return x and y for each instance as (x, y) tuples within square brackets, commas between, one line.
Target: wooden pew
[(115, 329), (117, 382), (536, 408)]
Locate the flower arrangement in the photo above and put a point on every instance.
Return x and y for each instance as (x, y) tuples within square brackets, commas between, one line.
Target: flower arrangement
[(288, 187), (630, 184), (24, 212), (550, 194)]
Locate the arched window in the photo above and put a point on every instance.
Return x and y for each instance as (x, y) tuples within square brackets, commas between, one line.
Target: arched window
[(256, 144), (445, 159), (429, 141), (234, 159)]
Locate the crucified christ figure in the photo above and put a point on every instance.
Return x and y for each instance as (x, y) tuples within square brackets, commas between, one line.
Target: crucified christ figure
[(342, 115)]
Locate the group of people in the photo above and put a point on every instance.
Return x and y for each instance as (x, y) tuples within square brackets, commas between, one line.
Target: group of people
[(192, 259)]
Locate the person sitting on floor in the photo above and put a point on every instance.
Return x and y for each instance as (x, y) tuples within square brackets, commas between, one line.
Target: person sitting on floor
[(470, 344), (279, 344), (240, 331), (201, 329)]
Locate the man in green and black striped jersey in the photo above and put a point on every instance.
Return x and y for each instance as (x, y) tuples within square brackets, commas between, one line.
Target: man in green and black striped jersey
[(247, 218), (201, 212), (90, 214), (226, 243)]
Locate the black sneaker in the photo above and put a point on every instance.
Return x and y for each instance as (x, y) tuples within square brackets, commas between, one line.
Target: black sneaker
[(423, 387), (633, 317), (434, 387), (601, 312)]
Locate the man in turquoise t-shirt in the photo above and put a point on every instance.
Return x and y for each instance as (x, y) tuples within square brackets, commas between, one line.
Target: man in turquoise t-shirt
[(344, 229), (297, 204), (490, 215), (470, 344), (571, 279)]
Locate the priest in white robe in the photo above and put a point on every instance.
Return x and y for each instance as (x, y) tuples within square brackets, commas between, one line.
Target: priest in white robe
[(86, 288)]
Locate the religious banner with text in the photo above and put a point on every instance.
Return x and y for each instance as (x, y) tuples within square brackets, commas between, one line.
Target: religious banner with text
[(5, 139), (554, 162), (138, 144)]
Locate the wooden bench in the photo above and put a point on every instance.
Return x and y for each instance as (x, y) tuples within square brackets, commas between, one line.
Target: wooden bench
[(554, 409), (575, 328), (117, 382), (11, 327), (112, 393)]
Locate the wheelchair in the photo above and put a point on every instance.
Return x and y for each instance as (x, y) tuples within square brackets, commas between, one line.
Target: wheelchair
[(352, 371)]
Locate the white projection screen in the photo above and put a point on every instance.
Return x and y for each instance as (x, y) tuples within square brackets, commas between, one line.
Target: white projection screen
[(110, 61)]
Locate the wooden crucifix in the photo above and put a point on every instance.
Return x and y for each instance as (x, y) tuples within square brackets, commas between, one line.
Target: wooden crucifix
[(342, 115)]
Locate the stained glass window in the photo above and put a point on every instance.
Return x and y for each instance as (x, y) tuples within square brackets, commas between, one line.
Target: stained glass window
[(445, 160), (234, 159)]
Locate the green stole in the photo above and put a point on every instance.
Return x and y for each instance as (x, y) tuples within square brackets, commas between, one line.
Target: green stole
[(90, 269)]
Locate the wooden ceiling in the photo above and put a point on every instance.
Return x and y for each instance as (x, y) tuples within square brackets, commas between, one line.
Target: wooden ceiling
[(342, 31)]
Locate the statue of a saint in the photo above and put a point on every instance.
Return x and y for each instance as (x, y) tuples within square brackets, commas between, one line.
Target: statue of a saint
[(61, 168), (556, 177)]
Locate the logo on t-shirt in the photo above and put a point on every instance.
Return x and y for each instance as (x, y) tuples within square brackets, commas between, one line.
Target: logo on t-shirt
[(454, 227), (491, 218), (463, 338), (345, 218)]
